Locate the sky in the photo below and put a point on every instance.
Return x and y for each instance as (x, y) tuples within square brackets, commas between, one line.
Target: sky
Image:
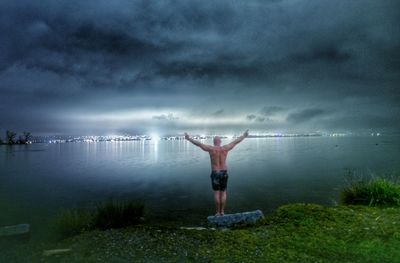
[(129, 67)]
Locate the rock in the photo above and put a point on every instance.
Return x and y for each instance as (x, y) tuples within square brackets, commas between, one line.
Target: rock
[(14, 230), (196, 228), (13, 233), (51, 252), (229, 220)]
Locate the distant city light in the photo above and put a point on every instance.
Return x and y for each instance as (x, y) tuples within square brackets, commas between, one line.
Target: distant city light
[(155, 136)]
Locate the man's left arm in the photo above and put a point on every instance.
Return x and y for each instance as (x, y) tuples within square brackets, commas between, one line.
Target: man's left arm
[(230, 146)]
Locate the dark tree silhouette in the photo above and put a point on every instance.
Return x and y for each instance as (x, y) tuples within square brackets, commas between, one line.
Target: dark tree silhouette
[(27, 136), (10, 136)]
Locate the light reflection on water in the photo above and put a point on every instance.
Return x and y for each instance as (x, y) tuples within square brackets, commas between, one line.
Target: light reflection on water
[(172, 177)]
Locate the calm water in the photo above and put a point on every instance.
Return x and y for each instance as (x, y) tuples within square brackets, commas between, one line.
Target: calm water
[(172, 177)]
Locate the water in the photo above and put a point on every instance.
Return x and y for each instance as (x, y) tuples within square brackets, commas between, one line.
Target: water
[(172, 177)]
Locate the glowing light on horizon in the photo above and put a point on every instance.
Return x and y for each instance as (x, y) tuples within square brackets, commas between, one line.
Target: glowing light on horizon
[(152, 116), (155, 136)]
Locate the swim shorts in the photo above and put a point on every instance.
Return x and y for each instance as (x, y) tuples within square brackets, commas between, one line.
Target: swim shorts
[(219, 180)]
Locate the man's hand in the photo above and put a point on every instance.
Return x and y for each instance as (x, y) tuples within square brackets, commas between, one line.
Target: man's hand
[(230, 146), (187, 136)]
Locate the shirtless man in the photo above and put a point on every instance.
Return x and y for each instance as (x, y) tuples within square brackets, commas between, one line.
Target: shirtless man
[(219, 170)]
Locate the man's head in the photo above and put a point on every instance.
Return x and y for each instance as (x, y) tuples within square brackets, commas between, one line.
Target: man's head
[(217, 141)]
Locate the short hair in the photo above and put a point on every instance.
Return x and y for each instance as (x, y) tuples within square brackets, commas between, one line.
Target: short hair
[(216, 138)]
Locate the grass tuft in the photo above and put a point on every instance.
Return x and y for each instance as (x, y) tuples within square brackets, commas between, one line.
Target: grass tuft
[(117, 214), (112, 214), (73, 222), (374, 192)]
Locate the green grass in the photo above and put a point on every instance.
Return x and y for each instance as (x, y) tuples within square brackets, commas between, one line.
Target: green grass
[(373, 192), (111, 214), (117, 215), (73, 222), (295, 233)]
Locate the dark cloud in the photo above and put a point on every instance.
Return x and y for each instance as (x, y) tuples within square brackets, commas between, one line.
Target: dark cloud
[(326, 54), (305, 115), (218, 112), (168, 116), (271, 110), (75, 58), (251, 117), (93, 39), (369, 122)]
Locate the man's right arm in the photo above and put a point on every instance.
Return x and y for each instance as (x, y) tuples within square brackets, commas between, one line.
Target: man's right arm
[(230, 146), (197, 143)]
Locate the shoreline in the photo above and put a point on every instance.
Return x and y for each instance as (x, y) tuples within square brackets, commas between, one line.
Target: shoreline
[(295, 232)]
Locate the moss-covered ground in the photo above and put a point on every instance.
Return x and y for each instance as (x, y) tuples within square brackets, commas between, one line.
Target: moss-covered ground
[(295, 233)]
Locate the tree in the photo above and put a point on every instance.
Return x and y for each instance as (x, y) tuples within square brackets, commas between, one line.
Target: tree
[(10, 136), (28, 136)]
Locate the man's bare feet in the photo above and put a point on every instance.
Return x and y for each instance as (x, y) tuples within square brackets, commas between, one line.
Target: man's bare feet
[(217, 214)]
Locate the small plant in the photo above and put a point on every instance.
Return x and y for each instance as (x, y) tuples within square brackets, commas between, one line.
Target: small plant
[(374, 192), (73, 222), (112, 214), (117, 214)]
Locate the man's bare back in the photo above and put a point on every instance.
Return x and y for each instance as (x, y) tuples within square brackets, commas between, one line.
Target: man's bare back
[(218, 158)]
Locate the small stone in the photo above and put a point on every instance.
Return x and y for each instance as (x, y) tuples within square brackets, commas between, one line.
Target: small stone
[(193, 228), (51, 252), (14, 230)]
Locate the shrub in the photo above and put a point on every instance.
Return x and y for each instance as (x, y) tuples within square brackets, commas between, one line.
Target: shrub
[(117, 214), (374, 192), (112, 214), (73, 222)]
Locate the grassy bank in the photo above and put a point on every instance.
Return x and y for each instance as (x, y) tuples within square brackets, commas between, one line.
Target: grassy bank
[(295, 233)]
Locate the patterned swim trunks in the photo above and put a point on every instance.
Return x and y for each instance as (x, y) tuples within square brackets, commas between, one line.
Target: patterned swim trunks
[(219, 180)]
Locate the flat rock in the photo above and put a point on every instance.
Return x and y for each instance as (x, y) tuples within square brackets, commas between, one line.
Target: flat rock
[(195, 228), (229, 220), (21, 229), (51, 252)]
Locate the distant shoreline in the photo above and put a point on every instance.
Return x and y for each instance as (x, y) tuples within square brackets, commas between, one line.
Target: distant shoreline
[(75, 139)]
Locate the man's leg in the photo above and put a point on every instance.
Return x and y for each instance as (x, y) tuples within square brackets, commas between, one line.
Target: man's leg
[(217, 200), (223, 202)]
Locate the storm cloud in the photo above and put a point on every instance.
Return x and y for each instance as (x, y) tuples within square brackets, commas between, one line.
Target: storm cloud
[(74, 67), (304, 115)]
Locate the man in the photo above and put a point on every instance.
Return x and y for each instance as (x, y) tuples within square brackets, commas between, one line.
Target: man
[(219, 170)]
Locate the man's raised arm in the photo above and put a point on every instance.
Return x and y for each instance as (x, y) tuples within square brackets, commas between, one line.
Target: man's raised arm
[(197, 143), (230, 146)]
